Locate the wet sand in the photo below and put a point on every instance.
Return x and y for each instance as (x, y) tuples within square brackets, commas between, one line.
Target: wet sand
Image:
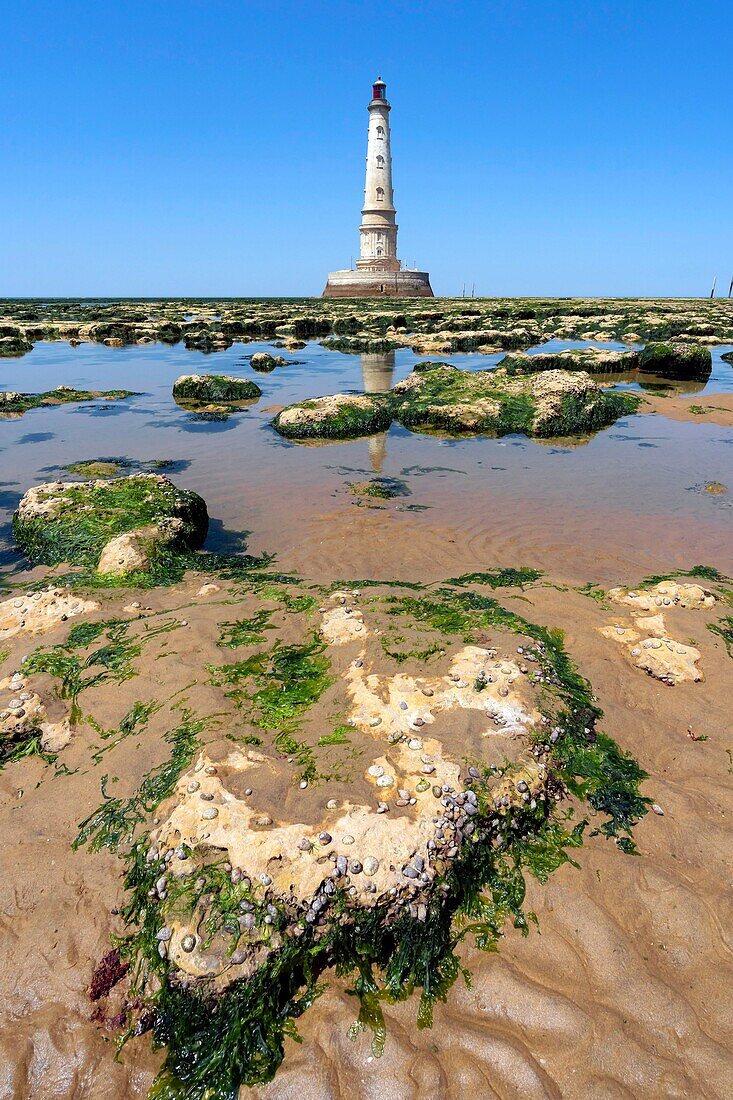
[(625, 990), (715, 408)]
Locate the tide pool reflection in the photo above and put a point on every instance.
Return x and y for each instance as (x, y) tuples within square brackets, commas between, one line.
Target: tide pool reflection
[(377, 373)]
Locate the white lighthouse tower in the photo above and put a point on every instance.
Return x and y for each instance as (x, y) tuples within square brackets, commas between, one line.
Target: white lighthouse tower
[(378, 271)]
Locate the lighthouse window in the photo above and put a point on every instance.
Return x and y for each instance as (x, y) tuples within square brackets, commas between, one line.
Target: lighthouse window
[(380, 161), (380, 194), (380, 132)]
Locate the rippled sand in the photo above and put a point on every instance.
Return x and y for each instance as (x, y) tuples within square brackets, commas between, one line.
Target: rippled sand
[(625, 991)]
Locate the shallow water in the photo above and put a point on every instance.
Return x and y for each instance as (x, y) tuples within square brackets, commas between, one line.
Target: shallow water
[(631, 493)]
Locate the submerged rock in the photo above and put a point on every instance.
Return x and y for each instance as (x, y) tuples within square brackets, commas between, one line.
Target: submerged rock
[(13, 404), (81, 522)]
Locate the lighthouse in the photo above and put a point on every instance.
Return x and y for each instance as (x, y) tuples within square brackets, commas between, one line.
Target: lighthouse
[(378, 272)]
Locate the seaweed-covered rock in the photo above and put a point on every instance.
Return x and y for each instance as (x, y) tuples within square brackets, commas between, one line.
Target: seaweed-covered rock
[(207, 388), (75, 521), (207, 341), (13, 342), (263, 362), (676, 360), (13, 404), (439, 396), (135, 551), (591, 360), (341, 416)]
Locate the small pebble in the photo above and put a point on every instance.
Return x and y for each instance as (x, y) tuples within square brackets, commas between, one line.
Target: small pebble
[(657, 809)]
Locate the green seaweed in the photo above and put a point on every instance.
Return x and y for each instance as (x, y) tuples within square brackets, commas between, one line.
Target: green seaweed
[(116, 819), (76, 672), (133, 722), (287, 681), (499, 578), (724, 629), (89, 514), (15, 404), (245, 631)]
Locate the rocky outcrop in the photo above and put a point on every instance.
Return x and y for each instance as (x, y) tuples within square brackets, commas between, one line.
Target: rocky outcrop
[(263, 362), (591, 360), (662, 595), (441, 397), (218, 389), (341, 416), (82, 522), (649, 647), (676, 360)]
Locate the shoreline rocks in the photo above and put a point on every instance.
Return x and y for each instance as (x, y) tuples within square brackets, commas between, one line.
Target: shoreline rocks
[(115, 522)]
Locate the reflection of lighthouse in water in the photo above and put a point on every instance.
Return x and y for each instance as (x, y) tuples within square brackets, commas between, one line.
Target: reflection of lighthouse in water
[(377, 370)]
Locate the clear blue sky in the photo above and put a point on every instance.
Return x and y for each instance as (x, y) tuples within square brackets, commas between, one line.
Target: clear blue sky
[(217, 148)]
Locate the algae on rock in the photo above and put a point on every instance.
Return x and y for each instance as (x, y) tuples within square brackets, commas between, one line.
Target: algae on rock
[(75, 521)]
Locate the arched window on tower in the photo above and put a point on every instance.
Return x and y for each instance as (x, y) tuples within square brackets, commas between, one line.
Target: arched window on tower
[(380, 133), (380, 194), (380, 161)]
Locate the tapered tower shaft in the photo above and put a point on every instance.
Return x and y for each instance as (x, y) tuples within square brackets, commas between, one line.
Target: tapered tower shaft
[(378, 229)]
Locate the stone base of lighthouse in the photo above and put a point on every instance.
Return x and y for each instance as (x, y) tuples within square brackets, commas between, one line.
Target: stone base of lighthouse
[(378, 284)]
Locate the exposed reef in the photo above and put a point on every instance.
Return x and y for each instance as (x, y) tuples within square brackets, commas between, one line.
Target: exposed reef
[(14, 404), (264, 363), (436, 326), (214, 394), (117, 526), (341, 416), (683, 362), (440, 397)]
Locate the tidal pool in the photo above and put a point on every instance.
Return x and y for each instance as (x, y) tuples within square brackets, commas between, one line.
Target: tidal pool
[(630, 496)]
